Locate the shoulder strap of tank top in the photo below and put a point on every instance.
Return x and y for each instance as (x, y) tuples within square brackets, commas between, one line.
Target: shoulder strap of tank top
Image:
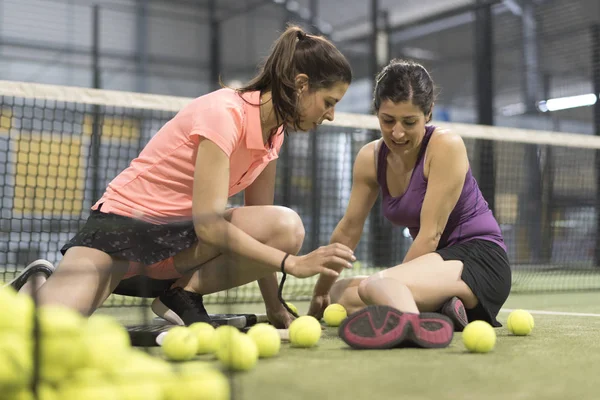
[(376, 153), (380, 156), (428, 132)]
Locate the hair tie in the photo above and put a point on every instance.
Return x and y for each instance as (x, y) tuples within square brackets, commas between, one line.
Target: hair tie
[(301, 35)]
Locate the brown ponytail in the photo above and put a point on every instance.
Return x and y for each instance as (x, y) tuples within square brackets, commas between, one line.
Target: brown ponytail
[(293, 53)]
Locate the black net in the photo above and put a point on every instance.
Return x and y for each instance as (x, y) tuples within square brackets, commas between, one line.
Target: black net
[(58, 156)]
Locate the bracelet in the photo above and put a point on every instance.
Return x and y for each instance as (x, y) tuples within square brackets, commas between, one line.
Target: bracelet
[(283, 263), (280, 289)]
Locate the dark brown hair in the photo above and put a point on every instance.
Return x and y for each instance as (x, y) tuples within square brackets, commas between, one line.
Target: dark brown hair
[(403, 80), (293, 53)]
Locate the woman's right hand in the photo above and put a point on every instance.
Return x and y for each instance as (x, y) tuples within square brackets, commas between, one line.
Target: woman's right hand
[(328, 260)]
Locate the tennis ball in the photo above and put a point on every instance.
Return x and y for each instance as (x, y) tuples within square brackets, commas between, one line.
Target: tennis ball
[(107, 342), (139, 363), (17, 312), (520, 322), (239, 353), (62, 348), (45, 392), (192, 367), (180, 344), (266, 338), (224, 334), (88, 375), (142, 376), (142, 388), (16, 362), (292, 307), (334, 314), (207, 338), (20, 394), (97, 390), (479, 337), (305, 331), (201, 383)]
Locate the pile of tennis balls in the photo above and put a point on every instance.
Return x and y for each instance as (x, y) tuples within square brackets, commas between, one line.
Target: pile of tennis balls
[(480, 336), (88, 359), (235, 350)]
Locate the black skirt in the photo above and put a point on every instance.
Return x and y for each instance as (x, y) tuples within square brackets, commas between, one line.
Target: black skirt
[(486, 271), (132, 239)]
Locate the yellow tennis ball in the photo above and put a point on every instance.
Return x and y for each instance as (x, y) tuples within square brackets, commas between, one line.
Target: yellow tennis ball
[(201, 383), (520, 322), (17, 312), (107, 342), (141, 389), (207, 337), (292, 307), (180, 344), (62, 346), (239, 353), (100, 389), (140, 365), (21, 394), (305, 331), (16, 362), (334, 314), (225, 334), (142, 376), (479, 337), (266, 338), (45, 392)]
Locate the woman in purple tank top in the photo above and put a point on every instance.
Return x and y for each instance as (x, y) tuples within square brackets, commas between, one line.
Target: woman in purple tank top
[(456, 269)]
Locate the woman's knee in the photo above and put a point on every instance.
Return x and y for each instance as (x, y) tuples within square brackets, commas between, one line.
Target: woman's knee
[(287, 230), (276, 226), (345, 293), (365, 287), (342, 287), (374, 284)]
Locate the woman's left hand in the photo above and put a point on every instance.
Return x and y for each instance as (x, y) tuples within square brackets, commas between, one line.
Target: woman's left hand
[(280, 318)]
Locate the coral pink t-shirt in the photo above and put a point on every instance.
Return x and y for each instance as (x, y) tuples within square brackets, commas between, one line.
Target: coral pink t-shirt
[(157, 185)]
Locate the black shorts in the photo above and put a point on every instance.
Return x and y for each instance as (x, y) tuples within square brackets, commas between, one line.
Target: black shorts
[(486, 271), (132, 239)]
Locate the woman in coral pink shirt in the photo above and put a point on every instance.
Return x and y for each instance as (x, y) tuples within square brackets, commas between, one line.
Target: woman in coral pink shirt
[(165, 217)]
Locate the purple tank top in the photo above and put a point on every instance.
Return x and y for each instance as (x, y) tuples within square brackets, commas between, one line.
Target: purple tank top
[(470, 219)]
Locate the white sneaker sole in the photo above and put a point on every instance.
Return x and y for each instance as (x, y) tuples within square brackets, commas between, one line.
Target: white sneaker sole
[(165, 312), (35, 263)]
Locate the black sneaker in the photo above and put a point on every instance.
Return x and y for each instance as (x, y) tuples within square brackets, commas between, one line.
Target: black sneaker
[(180, 307), (455, 310), (38, 266)]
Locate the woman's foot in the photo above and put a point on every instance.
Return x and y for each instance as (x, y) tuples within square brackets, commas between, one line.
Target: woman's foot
[(180, 307), (383, 327), (455, 310)]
